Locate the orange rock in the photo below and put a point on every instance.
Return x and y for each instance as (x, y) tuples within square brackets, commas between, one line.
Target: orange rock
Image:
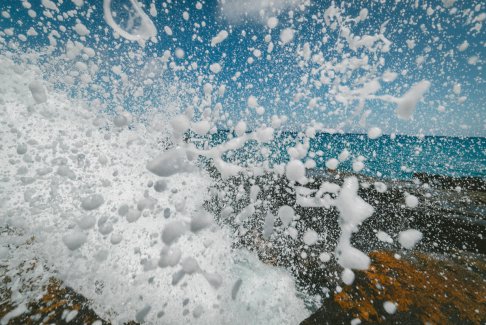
[(434, 290)]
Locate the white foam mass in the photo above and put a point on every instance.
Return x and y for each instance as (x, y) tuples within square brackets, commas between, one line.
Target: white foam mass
[(142, 32), (38, 91), (170, 162), (374, 133), (384, 237), (344, 155), (286, 214), (272, 22), (353, 210), (332, 163), (347, 276), (409, 238), (87, 214), (324, 257), (295, 170), (268, 225), (390, 307), (287, 35), (310, 237), (411, 201), (240, 128), (81, 29), (215, 68), (408, 102), (74, 240), (380, 187), (358, 166), (220, 37)]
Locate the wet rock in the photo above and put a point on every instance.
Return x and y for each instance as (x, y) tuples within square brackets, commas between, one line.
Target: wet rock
[(469, 183), (424, 288), (441, 282), (58, 305)]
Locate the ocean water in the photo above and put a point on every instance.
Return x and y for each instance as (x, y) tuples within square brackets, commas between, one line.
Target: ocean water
[(388, 157), (401, 157)]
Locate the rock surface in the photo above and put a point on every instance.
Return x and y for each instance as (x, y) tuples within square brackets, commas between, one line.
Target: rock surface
[(443, 282), (424, 288), (58, 305)]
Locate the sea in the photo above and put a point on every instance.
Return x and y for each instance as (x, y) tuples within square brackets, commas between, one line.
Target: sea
[(388, 157)]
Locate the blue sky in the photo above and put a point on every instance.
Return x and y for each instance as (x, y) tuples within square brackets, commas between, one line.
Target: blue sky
[(437, 31)]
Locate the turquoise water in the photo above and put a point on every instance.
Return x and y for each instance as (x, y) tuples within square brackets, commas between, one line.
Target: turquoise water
[(405, 155), (397, 158)]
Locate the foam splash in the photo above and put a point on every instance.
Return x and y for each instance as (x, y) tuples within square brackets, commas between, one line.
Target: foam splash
[(145, 31), (75, 185)]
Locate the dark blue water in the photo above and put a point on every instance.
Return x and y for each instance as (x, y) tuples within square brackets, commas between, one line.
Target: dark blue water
[(397, 158)]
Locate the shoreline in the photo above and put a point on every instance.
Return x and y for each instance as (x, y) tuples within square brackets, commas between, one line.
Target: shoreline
[(464, 263), (452, 222)]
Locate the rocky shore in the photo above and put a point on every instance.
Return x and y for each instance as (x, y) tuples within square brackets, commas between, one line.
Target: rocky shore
[(442, 281), (423, 288)]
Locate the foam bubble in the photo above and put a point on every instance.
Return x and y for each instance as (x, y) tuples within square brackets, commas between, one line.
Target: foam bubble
[(409, 238)]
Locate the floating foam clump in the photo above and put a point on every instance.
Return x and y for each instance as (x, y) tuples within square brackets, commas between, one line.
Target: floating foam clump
[(272, 22), (38, 92), (348, 276), (268, 225), (170, 162), (411, 201), (408, 103), (169, 256), (390, 307), (240, 128), (409, 238), (384, 237), (220, 37), (201, 221), (353, 211), (143, 32), (358, 166), (324, 257), (332, 163), (74, 240), (295, 171), (374, 133), (173, 231), (286, 215), (92, 202), (287, 35), (310, 237), (81, 29)]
